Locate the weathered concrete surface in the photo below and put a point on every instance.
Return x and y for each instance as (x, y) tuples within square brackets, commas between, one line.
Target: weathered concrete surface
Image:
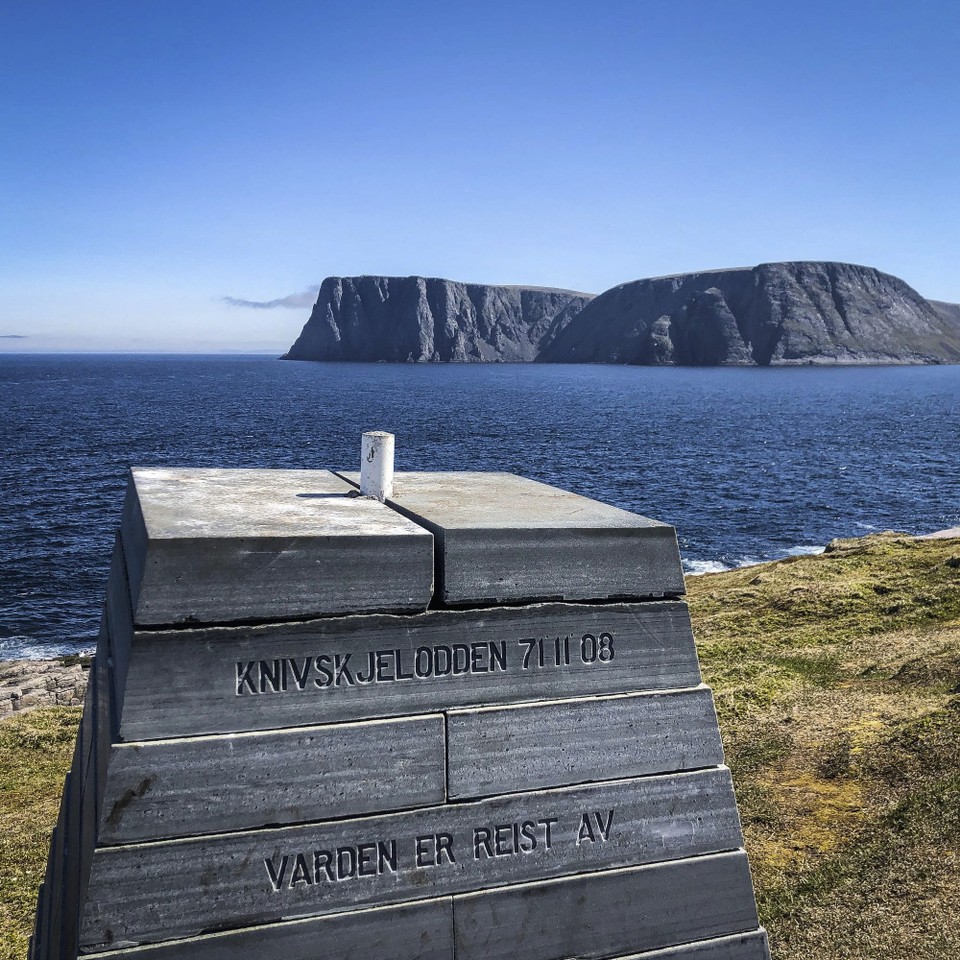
[(39, 945), (55, 888), (25, 684), (740, 946), (500, 537), (88, 770), (87, 730), (78, 875), (213, 546), (107, 721), (508, 749), (73, 842), (185, 682), (56, 931), (205, 785), (73, 822), (150, 892), (119, 624), (415, 931), (42, 928), (609, 914), (37, 925)]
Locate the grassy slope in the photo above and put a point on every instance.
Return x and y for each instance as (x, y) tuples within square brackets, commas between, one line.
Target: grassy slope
[(837, 680), (36, 749)]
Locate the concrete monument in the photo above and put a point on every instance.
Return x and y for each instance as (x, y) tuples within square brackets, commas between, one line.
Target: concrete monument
[(464, 721)]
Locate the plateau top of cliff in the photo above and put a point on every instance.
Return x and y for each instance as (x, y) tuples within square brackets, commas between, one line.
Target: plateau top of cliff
[(752, 268), (423, 278)]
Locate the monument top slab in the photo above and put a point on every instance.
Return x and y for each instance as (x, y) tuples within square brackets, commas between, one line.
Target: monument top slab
[(504, 538), (215, 546), (181, 504), (503, 501)]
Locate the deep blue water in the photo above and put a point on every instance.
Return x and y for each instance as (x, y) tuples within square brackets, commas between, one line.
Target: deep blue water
[(748, 464)]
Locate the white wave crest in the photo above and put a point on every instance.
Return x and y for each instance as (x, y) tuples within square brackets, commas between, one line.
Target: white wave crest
[(25, 648), (696, 568), (803, 551)]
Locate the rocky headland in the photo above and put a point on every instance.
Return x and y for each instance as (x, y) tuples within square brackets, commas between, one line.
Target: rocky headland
[(773, 314), (428, 319)]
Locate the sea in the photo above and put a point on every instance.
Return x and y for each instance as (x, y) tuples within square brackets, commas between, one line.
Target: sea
[(748, 464)]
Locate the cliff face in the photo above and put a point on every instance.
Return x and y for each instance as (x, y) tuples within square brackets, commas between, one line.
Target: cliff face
[(948, 311), (773, 314), (415, 318)]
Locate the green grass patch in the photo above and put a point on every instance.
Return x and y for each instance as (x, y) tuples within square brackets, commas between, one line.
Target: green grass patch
[(36, 749), (837, 681)]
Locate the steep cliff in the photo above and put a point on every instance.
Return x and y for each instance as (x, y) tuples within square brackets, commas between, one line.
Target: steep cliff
[(775, 313), (416, 318)]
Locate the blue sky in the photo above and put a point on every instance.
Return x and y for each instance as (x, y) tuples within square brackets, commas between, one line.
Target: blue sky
[(158, 157)]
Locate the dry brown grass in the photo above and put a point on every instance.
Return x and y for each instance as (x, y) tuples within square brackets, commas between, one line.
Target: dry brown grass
[(837, 681), (36, 748)]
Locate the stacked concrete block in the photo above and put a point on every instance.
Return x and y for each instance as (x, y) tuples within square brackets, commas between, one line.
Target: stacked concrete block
[(468, 722)]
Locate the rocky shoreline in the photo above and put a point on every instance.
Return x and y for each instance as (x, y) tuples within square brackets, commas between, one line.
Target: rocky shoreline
[(25, 684)]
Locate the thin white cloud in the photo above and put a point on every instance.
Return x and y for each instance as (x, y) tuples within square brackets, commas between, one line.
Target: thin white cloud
[(293, 301)]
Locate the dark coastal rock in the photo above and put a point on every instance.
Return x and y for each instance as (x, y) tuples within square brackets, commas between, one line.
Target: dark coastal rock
[(772, 314), (418, 318), (949, 311)]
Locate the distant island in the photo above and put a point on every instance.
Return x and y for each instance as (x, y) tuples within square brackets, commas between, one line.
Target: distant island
[(774, 314)]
